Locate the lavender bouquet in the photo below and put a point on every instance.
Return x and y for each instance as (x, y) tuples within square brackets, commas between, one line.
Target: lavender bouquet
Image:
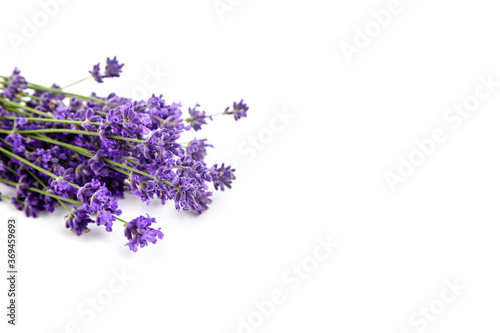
[(83, 153)]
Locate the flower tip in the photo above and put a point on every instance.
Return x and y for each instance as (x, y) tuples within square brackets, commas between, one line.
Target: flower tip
[(113, 69)]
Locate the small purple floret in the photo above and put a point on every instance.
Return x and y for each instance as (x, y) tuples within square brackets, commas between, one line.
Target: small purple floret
[(139, 233)]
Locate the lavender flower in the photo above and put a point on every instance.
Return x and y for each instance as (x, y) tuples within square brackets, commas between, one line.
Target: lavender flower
[(239, 110), (32, 205), (84, 153), (16, 83), (61, 185), (97, 198), (139, 233), (203, 200), (96, 73), (22, 185), (105, 218), (160, 146), (78, 220), (113, 69), (40, 157), (196, 149), (98, 166), (16, 203), (183, 192), (17, 142), (222, 176), (197, 118)]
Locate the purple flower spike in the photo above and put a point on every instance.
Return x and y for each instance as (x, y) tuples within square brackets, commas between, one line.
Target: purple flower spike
[(96, 73), (197, 149), (15, 84), (105, 218), (97, 165), (79, 220), (31, 205), (16, 203), (84, 153), (239, 110), (22, 185), (139, 232), (202, 198), (197, 118), (17, 142), (61, 184), (113, 68), (222, 176)]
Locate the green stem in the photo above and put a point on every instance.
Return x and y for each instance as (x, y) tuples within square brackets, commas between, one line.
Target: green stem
[(33, 189), (86, 153), (31, 149), (34, 166), (37, 179), (69, 131), (59, 198), (121, 165), (64, 205), (8, 182), (55, 196), (61, 121), (119, 170), (79, 150), (119, 219), (10, 169), (30, 96), (45, 186), (19, 112), (218, 114), (27, 108), (69, 85), (67, 94)]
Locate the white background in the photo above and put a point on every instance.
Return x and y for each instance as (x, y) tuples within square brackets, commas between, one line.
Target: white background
[(321, 175)]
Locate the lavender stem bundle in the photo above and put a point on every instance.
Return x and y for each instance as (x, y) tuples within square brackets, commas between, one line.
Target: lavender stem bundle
[(82, 153)]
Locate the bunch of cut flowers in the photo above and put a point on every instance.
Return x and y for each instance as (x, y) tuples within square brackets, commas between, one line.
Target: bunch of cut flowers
[(82, 153)]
